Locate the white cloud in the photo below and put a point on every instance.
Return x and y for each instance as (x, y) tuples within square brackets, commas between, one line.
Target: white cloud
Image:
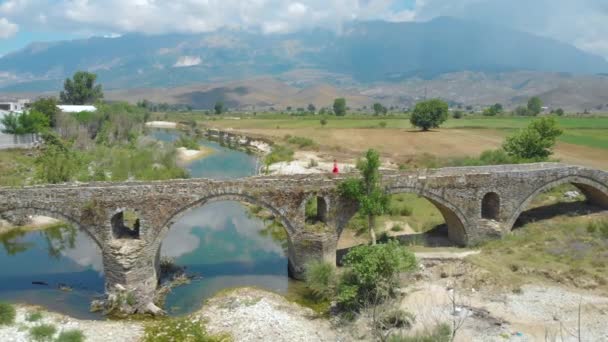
[(7, 28), (187, 61)]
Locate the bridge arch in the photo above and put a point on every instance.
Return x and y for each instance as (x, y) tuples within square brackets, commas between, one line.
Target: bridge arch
[(594, 191), (454, 219), (490, 206), (34, 211)]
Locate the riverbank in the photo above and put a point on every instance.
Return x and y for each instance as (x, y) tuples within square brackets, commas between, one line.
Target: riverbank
[(185, 155), (35, 223)]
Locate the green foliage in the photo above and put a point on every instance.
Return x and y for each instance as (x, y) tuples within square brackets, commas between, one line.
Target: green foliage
[(57, 165), (279, 154), (559, 112), (183, 329), (301, 142), (535, 105), (372, 271), (24, 123), (81, 89), (48, 107), (311, 108), (458, 114), (440, 333), (7, 314), (219, 107), (70, 336), (340, 107), (323, 122), (33, 316), (321, 279), (367, 191), (43, 332), (534, 142), (599, 228), (429, 114), (379, 109), (493, 110), (188, 142)]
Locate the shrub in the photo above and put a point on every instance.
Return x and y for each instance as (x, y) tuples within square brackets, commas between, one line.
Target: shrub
[(371, 270), (323, 122), (534, 142), (382, 124), (396, 318), (7, 314), (406, 211), (33, 316), (397, 228), (458, 114), (187, 142), (598, 227), (312, 163), (321, 279), (43, 332), (180, 329), (301, 141), (70, 336), (440, 333)]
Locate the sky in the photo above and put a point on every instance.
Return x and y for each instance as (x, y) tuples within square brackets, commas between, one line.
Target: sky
[(582, 23)]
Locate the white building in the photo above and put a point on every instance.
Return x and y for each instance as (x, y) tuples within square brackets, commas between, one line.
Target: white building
[(76, 109), (10, 140)]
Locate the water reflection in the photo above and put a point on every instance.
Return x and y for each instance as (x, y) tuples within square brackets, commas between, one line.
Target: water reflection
[(36, 263), (227, 247)]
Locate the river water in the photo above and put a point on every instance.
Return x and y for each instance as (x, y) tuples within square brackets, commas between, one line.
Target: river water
[(220, 242)]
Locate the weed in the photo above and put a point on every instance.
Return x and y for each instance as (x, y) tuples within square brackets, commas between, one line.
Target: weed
[(43, 332), (33, 316), (180, 329), (70, 336), (7, 314)]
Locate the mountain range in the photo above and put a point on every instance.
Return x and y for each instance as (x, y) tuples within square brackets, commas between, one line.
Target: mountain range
[(361, 60)]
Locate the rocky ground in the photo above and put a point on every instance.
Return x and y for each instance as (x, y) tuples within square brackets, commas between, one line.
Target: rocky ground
[(94, 331)]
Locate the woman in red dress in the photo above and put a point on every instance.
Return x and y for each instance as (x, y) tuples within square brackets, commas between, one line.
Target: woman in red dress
[(335, 171)]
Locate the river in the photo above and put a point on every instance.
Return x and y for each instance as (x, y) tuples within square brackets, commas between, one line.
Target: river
[(221, 242)]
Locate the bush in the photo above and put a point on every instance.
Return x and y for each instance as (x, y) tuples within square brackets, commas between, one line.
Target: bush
[(187, 142), (33, 316), (321, 279), (279, 154), (371, 270), (598, 227), (70, 336), (397, 228), (406, 211), (458, 114), (7, 314), (43, 332), (382, 124), (534, 142), (180, 329), (301, 142), (396, 318), (440, 333)]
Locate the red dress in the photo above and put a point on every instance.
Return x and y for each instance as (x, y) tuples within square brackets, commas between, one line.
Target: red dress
[(335, 170)]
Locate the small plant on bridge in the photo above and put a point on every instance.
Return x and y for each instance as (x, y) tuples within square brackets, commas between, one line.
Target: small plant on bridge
[(372, 199)]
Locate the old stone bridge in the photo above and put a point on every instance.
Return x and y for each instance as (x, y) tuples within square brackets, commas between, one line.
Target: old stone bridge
[(477, 203)]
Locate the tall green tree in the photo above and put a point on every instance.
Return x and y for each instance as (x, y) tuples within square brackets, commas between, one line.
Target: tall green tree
[(535, 142), (379, 109), (48, 107), (535, 105), (24, 123), (340, 107), (219, 107), (429, 114), (367, 191), (81, 89), (311, 108)]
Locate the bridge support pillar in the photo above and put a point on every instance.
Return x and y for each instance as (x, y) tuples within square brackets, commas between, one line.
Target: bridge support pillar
[(130, 277), (309, 246)]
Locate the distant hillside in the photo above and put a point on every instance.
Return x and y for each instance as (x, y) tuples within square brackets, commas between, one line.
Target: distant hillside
[(366, 53)]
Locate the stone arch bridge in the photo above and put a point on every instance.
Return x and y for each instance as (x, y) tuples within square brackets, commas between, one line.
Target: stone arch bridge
[(478, 203)]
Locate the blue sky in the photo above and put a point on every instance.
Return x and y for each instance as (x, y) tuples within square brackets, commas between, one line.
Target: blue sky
[(25, 21)]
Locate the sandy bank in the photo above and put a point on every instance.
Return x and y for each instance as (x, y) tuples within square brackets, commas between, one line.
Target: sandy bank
[(161, 124), (185, 155)]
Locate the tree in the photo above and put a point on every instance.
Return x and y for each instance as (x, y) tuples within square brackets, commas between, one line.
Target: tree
[(81, 89), (48, 107), (534, 142), (535, 105), (25, 123), (379, 109), (219, 107), (340, 107), (559, 112), (311, 108), (521, 111), (367, 191), (429, 114)]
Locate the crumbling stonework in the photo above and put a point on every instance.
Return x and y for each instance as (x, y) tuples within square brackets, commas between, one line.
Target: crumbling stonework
[(131, 258)]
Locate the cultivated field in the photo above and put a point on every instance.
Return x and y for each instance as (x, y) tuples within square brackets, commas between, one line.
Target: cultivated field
[(584, 142)]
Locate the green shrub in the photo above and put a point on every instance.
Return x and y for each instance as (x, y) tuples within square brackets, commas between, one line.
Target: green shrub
[(382, 124), (440, 333), (396, 318), (7, 314), (180, 329), (397, 228), (406, 211), (321, 279), (371, 270), (187, 142), (70, 336), (33, 316), (598, 227), (43, 332), (301, 141)]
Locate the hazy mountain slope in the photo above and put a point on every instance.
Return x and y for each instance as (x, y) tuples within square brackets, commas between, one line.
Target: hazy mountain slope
[(366, 51)]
